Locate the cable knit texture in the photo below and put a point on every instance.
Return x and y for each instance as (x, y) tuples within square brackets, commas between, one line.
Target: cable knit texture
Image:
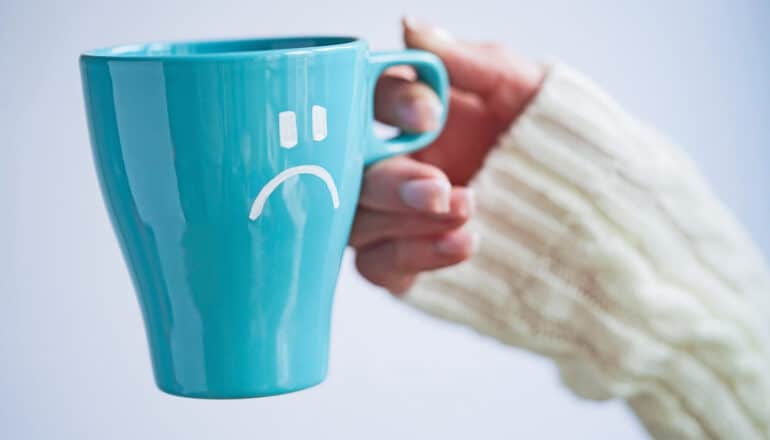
[(603, 249)]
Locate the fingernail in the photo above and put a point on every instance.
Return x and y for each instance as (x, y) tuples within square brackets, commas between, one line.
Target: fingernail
[(430, 195), (459, 243), (418, 115), (470, 203), (436, 35)]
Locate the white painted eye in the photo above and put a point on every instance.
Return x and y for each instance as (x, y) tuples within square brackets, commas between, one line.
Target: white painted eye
[(287, 129), (319, 123)]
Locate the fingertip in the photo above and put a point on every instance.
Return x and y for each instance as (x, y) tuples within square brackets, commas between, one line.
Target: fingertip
[(462, 202), (460, 244), (408, 23), (476, 68), (420, 34), (428, 195)]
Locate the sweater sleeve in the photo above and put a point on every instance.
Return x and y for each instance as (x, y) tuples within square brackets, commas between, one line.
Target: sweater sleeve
[(603, 249)]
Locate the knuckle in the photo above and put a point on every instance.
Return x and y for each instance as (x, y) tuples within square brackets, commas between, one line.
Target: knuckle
[(374, 169), (385, 166), (356, 240), (358, 231), (419, 90)]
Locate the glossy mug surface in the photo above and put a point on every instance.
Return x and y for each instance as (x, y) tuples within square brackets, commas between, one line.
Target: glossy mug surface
[(231, 172)]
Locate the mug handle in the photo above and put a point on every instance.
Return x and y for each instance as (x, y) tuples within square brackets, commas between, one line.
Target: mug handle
[(430, 70)]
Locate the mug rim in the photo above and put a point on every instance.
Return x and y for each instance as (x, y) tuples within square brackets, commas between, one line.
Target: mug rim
[(216, 49)]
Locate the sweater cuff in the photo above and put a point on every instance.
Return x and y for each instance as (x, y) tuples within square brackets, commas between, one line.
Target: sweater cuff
[(602, 248)]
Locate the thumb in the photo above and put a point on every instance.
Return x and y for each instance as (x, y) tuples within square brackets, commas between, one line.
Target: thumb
[(490, 71), (470, 68)]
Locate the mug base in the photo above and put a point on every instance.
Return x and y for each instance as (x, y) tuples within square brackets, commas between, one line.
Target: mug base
[(208, 395)]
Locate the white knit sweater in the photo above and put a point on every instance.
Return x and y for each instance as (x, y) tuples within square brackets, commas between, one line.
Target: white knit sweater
[(603, 249)]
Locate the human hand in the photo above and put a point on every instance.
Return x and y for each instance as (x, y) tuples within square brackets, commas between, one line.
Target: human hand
[(410, 215)]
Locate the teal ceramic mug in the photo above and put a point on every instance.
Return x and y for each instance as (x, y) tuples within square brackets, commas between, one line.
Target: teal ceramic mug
[(231, 171)]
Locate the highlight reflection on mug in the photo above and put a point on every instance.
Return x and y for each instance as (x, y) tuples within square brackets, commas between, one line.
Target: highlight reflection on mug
[(287, 129)]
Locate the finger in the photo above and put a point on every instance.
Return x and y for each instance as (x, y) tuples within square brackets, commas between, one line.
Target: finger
[(402, 184), (469, 133), (485, 69), (392, 263), (404, 71), (398, 284), (409, 105), (468, 68), (372, 226)]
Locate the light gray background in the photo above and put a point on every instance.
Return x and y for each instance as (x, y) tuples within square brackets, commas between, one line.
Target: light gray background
[(73, 360)]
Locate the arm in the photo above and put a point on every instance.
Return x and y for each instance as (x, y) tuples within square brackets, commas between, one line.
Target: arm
[(603, 249), (600, 245)]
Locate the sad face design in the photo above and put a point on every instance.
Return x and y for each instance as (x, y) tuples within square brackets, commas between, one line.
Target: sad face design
[(287, 127)]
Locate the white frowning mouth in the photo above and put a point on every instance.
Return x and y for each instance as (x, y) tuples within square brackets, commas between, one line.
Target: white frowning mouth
[(264, 193)]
